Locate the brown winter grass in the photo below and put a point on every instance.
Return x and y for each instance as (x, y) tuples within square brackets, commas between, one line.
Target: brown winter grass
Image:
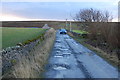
[(105, 32), (112, 59), (31, 66)]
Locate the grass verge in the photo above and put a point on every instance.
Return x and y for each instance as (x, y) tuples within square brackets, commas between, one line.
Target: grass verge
[(80, 31)]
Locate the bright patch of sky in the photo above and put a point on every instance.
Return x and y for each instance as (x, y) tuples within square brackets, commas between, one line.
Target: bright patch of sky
[(52, 10)]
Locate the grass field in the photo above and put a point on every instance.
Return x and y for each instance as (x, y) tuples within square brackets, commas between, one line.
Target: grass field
[(12, 36), (80, 31)]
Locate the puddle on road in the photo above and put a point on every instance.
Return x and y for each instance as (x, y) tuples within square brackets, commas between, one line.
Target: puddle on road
[(62, 55), (60, 66), (57, 49), (58, 46), (58, 41), (58, 56), (66, 53), (64, 49), (89, 53), (74, 42), (67, 37)]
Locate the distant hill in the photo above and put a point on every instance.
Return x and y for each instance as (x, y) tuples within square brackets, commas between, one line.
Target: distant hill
[(38, 24)]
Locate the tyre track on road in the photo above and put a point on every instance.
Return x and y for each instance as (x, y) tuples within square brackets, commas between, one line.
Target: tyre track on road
[(80, 65)]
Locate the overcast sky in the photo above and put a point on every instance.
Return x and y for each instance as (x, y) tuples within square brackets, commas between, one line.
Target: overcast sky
[(52, 10)]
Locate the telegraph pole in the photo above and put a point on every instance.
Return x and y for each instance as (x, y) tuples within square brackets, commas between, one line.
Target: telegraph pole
[(66, 23), (70, 25)]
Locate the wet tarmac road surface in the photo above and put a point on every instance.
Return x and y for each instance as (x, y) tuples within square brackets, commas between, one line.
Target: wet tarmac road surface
[(70, 59)]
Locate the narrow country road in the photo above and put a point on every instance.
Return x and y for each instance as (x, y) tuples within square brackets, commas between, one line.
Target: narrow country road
[(70, 59)]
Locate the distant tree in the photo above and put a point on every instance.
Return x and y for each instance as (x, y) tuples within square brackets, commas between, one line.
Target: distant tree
[(93, 15)]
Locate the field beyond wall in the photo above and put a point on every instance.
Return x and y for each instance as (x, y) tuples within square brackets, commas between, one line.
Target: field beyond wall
[(12, 36)]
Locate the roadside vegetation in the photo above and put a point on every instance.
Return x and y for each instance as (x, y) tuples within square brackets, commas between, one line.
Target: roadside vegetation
[(12, 36), (80, 31), (103, 38), (28, 59), (111, 58), (102, 35), (31, 65)]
